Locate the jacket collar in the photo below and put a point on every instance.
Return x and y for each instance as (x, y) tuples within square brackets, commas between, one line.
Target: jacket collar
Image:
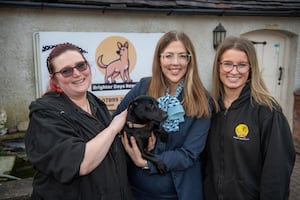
[(244, 96)]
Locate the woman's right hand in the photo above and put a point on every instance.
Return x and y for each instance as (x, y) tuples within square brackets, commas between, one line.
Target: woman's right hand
[(118, 122), (96, 149)]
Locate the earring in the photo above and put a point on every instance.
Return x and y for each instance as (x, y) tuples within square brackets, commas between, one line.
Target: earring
[(55, 87)]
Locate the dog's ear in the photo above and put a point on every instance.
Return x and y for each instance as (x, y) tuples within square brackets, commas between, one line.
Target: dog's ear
[(119, 45), (126, 44), (132, 105)]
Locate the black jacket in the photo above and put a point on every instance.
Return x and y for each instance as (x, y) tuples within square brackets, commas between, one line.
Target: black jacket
[(55, 143), (249, 153)]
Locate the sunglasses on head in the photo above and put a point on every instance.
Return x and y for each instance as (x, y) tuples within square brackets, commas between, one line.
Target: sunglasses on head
[(68, 71)]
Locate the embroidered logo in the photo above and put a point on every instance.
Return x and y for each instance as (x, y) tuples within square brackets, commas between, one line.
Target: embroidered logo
[(241, 132)]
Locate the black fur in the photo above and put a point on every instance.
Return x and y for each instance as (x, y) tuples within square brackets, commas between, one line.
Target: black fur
[(143, 117)]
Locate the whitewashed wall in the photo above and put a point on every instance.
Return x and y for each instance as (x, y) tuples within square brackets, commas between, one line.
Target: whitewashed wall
[(17, 25)]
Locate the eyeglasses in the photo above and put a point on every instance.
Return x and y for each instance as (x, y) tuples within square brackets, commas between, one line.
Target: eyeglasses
[(68, 71), (228, 66), (182, 57)]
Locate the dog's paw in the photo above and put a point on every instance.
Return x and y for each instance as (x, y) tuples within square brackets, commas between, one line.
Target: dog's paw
[(164, 138), (161, 167), (163, 135)]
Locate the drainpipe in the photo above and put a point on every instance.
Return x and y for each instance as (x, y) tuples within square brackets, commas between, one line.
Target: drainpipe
[(167, 11)]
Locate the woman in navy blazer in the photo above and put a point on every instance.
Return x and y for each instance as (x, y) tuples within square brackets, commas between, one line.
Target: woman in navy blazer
[(179, 91)]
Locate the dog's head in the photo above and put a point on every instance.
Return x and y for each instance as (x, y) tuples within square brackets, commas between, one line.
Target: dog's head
[(123, 49), (144, 109)]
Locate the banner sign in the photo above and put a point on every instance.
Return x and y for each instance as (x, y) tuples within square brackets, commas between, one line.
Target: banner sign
[(117, 60)]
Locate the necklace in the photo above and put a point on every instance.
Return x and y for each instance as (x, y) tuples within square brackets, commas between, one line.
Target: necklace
[(87, 107)]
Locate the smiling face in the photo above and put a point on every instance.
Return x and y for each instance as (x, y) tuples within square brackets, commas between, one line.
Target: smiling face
[(77, 84), (174, 61), (233, 80)]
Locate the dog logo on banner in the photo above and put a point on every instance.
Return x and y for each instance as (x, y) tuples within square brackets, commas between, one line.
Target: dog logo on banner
[(116, 63)]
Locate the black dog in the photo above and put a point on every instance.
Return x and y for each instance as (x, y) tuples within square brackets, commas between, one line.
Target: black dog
[(143, 117)]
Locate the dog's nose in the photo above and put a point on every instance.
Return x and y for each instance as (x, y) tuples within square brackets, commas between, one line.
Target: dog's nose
[(164, 115)]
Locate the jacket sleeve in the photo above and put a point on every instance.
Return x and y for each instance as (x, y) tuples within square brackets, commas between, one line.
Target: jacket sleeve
[(139, 89), (278, 157), (188, 145), (52, 145)]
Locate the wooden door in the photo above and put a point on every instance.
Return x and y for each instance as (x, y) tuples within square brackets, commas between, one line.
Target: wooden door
[(272, 50)]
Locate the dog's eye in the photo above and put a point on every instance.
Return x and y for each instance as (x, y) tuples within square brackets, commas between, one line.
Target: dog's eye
[(151, 106)]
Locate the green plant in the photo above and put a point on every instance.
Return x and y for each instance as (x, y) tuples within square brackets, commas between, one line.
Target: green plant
[(2, 152)]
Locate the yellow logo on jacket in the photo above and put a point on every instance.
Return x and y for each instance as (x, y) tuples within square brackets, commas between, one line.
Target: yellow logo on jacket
[(241, 132)]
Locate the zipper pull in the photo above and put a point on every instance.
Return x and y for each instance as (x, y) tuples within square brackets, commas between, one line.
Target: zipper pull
[(226, 111)]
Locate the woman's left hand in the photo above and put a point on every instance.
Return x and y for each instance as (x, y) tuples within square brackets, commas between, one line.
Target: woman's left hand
[(151, 142), (133, 150)]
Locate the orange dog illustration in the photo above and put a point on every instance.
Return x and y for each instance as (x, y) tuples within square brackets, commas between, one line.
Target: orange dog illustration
[(117, 67)]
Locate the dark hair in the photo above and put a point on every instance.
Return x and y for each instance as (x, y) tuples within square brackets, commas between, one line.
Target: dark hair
[(58, 50)]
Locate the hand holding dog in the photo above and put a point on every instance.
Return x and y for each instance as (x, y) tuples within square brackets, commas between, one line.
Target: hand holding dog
[(151, 142), (118, 122), (133, 150)]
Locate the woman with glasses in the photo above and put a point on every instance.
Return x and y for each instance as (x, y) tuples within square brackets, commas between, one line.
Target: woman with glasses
[(249, 153), (176, 85), (71, 140)]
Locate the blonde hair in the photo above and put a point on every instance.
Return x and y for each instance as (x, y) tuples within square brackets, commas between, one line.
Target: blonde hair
[(195, 96), (259, 91)]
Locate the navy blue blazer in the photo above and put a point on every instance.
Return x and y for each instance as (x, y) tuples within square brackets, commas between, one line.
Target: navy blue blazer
[(180, 154)]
